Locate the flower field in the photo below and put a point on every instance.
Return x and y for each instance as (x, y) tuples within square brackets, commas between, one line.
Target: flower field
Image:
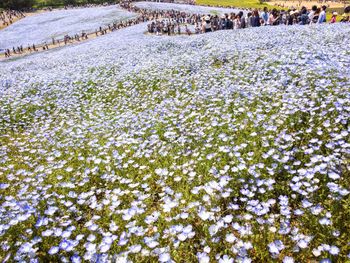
[(43, 27), (186, 8), (225, 147)]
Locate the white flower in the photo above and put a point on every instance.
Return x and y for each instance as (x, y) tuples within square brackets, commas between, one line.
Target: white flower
[(334, 250), (165, 257), (226, 259), (204, 215), (53, 250), (75, 259), (104, 247), (121, 259), (333, 175), (203, 257), (302, 243), (228, 219), (288, 260), (316, 252), (276, 247), (230, 238), (135, 249), (90, 247)]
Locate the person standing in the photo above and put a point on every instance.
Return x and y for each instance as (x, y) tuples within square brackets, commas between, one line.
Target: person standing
[(197, 29), (312, 13), (207, 25), (237, 22), (229, 22), (322, 17), (316, 16), (188, 32), (243, 21), (255, 19), (304, 18), (223, 23), (249, 20), (334, 17), (346, 15), (273, 18), (265, 17)]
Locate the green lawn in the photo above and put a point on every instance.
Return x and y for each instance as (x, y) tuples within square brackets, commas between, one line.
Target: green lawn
[(236, 3)]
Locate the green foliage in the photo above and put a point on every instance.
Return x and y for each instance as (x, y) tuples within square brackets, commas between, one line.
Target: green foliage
[(236, 3), (17, 4)]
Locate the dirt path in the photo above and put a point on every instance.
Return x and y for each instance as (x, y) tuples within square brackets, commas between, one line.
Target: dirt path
[(40, 48), (14, 20), (58, 43)]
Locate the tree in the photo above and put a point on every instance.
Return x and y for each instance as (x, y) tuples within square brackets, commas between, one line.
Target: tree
[(70, 2), (18, 4)]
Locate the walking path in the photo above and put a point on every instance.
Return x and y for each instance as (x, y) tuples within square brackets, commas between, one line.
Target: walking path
[(42, 48), (14, 19)]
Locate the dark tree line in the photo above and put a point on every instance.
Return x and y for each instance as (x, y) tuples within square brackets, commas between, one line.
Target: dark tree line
[(17, 4), (27, 4)]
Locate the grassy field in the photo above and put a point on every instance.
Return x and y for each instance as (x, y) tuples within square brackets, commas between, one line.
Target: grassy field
[(236, 3)]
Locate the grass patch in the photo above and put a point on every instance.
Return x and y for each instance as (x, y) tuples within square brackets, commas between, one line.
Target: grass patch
[(236, 3)]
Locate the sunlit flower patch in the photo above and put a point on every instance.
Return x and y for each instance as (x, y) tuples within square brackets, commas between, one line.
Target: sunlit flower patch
[(56, 24)]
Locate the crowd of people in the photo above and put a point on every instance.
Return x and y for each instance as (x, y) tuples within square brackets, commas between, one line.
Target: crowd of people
[(187, 2), (171, 22), (7, 17)]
